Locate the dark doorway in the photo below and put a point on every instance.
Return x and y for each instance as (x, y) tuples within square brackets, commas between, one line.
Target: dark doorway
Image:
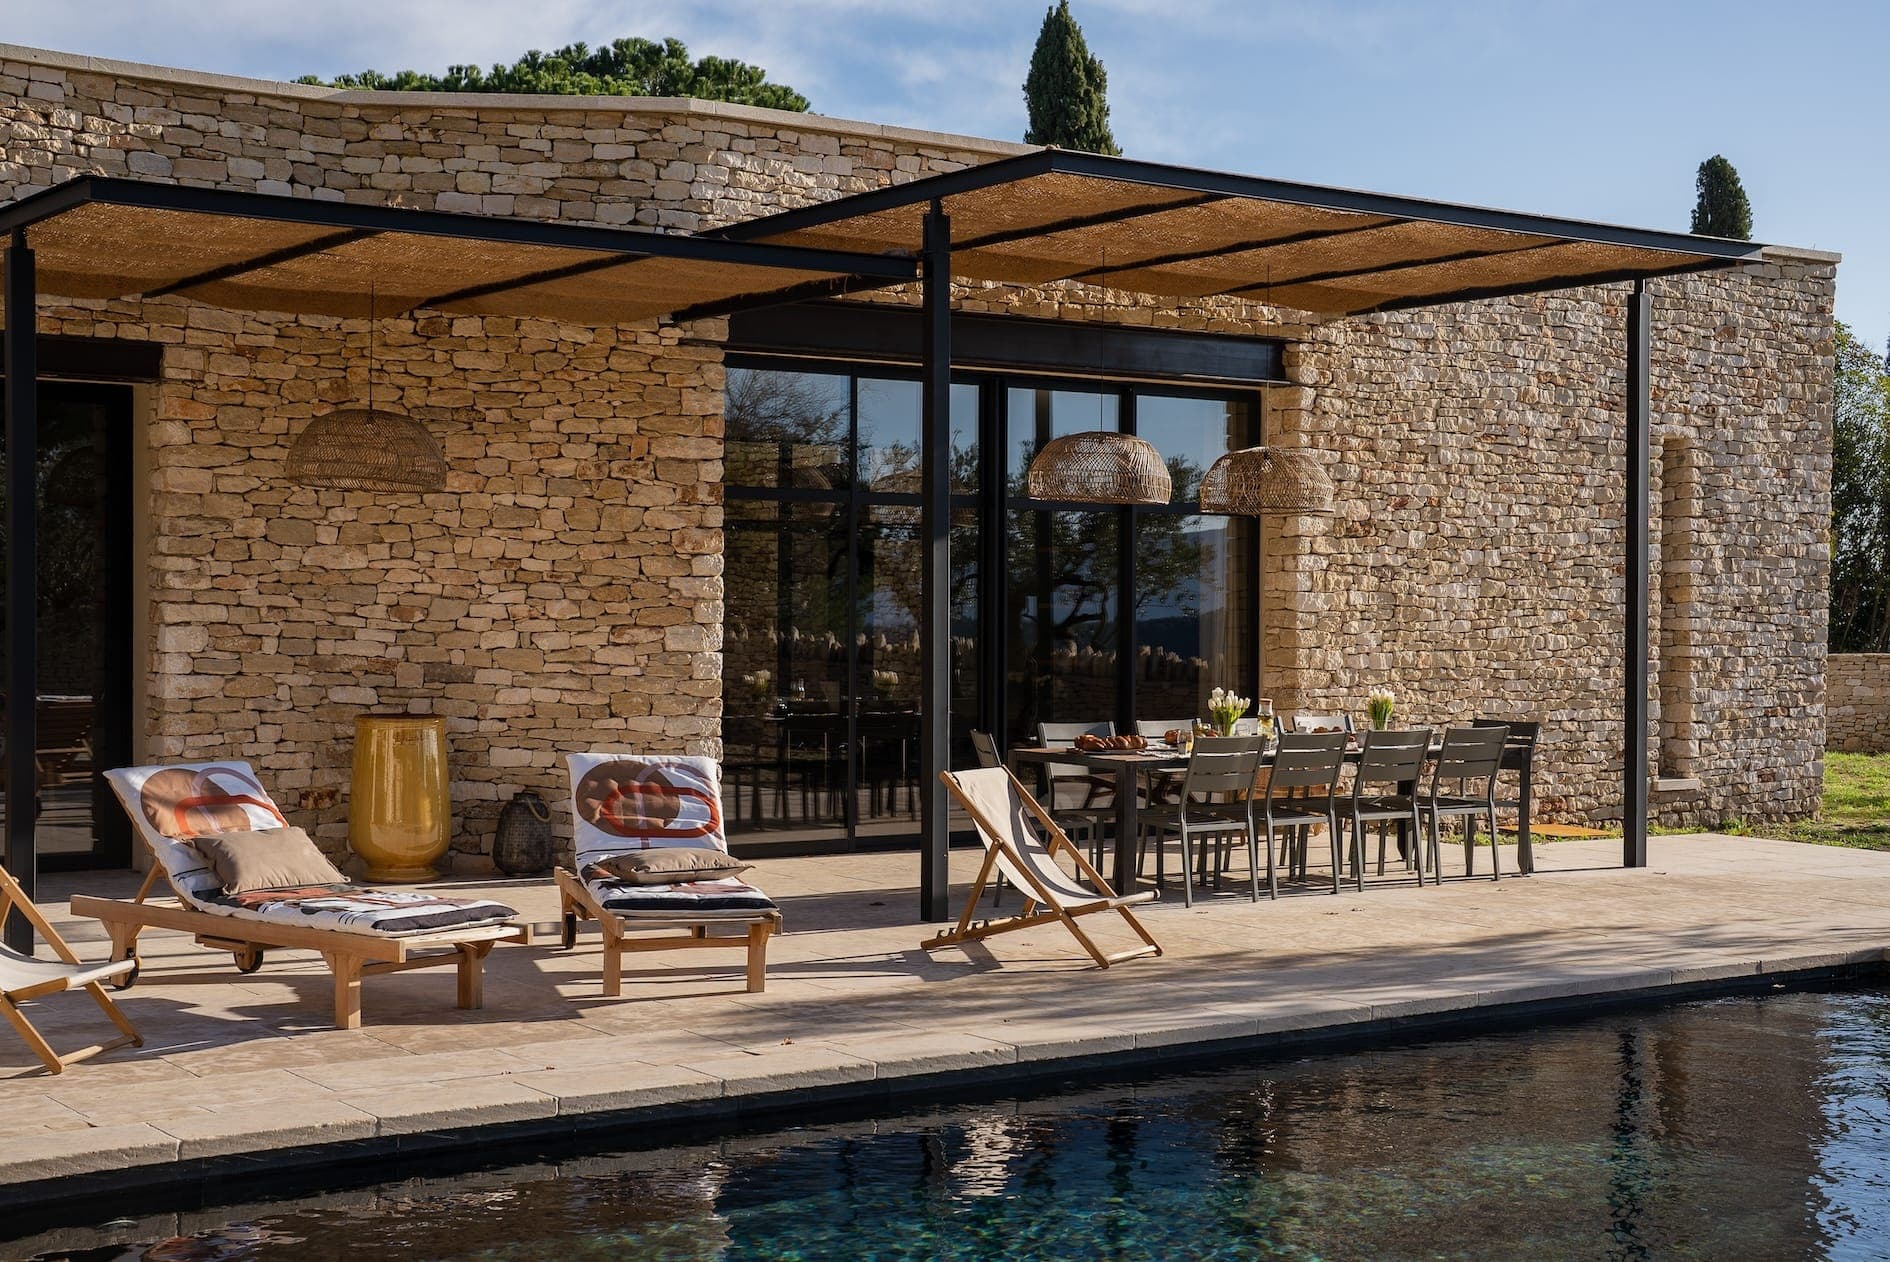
[(85, 622)]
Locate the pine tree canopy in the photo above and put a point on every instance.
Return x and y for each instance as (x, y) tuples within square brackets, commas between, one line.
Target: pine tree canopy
[(627, 67), (1067, 89), (1721, 209)]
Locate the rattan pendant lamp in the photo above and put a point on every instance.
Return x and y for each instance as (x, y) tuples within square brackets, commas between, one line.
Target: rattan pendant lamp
[(1258, 481), (1100, 466), (367, 448)]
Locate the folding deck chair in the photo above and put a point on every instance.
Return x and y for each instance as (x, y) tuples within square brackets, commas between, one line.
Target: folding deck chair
[(1002, 810), (624, 803), (24, 978), (359, 932)]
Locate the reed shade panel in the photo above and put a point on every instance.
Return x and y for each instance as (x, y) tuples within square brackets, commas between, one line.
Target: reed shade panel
[(1175, 233), (102, 250), (1100, 467), (1260, 481), (367, 449)]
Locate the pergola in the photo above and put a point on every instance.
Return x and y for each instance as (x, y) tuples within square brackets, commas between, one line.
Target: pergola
[(1045, 216)]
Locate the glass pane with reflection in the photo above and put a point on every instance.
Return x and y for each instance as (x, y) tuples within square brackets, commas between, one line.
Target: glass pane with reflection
[(1192, 434), (1062, 618), (1037, 416), (787, 429), (1194, 612)]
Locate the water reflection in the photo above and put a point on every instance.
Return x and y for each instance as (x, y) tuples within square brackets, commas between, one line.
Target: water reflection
[(1747, 1128)]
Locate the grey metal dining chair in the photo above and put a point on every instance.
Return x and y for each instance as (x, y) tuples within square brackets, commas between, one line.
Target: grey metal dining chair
[(1384, 791), (1463, 786), (1216, 799), (1302, 791), (1519, 756), (1087, 820)]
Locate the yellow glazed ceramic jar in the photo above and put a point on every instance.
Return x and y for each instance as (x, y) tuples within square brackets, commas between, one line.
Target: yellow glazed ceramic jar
[(399, 816)]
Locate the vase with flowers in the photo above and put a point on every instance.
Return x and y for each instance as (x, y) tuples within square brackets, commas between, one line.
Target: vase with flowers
[(1379, 706), (1225, 708)]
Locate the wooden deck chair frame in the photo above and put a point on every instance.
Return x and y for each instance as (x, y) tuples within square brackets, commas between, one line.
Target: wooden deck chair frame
[(1036, 894), (13, 898), (622, 933), (349, 956)]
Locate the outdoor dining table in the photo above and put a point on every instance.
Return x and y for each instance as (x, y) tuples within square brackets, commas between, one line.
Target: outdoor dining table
[(1125, 766)]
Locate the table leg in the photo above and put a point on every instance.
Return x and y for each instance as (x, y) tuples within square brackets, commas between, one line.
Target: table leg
[(1525, 853), (1128, 833)]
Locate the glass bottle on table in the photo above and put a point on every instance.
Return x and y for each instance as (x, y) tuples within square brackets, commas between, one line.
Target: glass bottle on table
[(1267, 728)]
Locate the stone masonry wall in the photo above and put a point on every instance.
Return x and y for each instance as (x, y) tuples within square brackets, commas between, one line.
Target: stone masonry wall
[(566, 590), (1857, 705)]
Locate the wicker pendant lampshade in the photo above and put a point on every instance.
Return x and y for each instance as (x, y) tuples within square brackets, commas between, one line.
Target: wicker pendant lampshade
[(367, 449), (1267, 480), (1100, 467)]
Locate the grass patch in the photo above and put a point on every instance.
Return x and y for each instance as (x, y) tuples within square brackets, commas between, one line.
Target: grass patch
[(1856, 807)]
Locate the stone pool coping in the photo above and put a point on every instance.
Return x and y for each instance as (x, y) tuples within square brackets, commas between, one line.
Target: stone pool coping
[(430, 1102)]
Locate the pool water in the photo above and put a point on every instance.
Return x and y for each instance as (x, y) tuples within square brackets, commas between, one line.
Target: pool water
[(1748, 1128)]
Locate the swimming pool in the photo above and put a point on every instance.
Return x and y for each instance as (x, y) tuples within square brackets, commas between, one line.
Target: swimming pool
[(1752, 1127)]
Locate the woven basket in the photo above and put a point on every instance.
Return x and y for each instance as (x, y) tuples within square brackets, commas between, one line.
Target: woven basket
[(1098, 467), (362, 449), (1267, 480)]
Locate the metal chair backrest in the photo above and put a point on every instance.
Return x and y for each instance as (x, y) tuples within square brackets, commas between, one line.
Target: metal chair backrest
[(1155, 729), (1319, 723), (1308, 760), (1391, 757), (986, 749), (1523, 736), (1221, 764), (1058, 733), (1470, 758)]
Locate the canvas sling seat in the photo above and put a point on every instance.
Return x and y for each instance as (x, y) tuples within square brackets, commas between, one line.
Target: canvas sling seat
[(1008, 818), (25, 978), (358, 931), (625, 803)]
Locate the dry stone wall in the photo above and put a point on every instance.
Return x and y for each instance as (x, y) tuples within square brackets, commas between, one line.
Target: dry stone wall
[(566, 591), (1857, 706)]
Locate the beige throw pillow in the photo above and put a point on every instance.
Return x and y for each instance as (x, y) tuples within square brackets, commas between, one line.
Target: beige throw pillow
[(266, 859), (669, 865)]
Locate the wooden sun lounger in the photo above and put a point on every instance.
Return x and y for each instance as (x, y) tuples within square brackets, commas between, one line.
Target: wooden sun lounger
[(988, 795), (349, 956), (24, 978), (578, 903)]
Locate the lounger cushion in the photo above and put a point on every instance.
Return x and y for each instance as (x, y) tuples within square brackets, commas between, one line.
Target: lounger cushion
[(174, 805), (266, 859), (625, 802), (727, 899), (355, 909), (668, 865)]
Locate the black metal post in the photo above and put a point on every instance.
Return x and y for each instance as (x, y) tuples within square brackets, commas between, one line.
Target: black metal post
[(935, 516), (1634, 709), (22, 551)]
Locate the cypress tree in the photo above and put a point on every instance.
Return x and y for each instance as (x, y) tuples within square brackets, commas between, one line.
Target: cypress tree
[(1721, 209), (1066, 89)]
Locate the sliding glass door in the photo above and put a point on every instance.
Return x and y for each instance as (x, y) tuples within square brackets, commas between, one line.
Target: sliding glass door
[(1070, 613)]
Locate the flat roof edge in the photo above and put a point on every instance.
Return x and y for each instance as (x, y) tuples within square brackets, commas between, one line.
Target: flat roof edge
[(472, 102), (1800, 254)]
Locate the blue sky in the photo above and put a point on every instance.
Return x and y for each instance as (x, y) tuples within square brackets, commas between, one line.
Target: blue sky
[(1594, 110)]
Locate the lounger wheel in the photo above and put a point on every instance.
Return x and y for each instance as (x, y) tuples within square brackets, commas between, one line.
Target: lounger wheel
[(570, 929), (126, 981), (249, 959)]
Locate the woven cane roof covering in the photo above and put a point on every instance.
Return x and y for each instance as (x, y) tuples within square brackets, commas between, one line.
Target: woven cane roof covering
[(106, 250), (1330, 255)]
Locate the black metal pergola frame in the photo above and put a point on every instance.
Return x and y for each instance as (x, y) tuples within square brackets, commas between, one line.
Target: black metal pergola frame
[(1206, 187), (928, 260)]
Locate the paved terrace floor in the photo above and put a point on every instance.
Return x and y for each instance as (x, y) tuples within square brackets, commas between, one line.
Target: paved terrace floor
[(237, 1064)]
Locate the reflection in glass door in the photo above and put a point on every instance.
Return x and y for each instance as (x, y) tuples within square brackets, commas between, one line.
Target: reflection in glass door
[(821, 649), (84, 624)]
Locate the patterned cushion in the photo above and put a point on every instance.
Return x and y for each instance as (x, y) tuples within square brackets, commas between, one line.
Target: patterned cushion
[(626, 802), (170, 805), (727, 899), (623, 802), (174, 804), (354, 909)]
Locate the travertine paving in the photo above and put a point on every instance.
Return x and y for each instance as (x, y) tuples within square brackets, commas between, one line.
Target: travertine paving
[(237, 1064)]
